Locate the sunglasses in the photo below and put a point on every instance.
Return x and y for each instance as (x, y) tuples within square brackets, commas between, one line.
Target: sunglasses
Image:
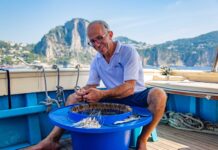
[(98, 39)]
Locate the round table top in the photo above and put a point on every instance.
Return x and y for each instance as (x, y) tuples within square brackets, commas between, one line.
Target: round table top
[(60, 118)]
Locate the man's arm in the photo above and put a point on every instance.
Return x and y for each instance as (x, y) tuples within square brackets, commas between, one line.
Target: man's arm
[(124, 90), (89, 86)]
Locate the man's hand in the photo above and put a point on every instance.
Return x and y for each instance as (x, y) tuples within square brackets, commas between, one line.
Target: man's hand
[(79, 94), (93, 95)]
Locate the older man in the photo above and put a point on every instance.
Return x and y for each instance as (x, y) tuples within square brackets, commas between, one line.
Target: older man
[(120, 68)]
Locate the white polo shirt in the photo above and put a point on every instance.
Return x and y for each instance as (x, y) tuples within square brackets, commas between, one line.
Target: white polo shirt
[(125, 64)]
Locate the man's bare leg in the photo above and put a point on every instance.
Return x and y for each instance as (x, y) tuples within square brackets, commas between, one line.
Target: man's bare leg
[(51, 142), (156, 104)]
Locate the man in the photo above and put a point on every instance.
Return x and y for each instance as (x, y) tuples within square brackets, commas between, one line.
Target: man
[(119, 67)]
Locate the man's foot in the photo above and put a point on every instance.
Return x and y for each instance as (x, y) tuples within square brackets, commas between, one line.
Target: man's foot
[(46, 144), (141, 144)]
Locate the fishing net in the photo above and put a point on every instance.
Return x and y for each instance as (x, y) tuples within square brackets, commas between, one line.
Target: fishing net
[(101, 109), (102, 113)]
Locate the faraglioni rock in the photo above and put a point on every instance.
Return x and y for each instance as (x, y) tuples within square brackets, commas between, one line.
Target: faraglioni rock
[(69, 41)]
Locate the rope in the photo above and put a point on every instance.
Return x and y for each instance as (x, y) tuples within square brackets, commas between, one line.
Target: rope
[(48, 101), (185, 121), (211, 126), (76, 88), (188, 122), (60, 90)]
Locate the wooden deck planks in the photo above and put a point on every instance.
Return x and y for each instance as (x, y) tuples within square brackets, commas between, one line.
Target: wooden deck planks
[(178, 139), (195, 136)]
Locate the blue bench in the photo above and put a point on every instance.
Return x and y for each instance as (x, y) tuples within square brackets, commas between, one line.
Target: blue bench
[(136, 132)]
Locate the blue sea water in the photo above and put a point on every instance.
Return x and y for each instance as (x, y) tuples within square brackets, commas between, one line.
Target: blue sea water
[(207, 68)]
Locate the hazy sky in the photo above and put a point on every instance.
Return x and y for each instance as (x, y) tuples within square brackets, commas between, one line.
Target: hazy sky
[(150, 21)]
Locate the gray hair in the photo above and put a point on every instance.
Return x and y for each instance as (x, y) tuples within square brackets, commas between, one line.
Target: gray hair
[(101, 22)]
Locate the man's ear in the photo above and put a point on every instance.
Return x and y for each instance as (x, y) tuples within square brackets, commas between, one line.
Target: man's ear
[(110, 33)]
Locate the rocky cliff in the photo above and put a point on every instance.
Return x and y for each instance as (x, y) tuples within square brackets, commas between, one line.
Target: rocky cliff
[(190, 52), (197, 51), (66, 42)]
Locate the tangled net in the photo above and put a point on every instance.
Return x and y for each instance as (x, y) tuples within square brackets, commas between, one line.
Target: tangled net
[(102, 109), (92, 115)]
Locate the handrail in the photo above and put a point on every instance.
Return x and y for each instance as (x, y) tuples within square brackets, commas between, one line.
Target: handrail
[(9, 87)]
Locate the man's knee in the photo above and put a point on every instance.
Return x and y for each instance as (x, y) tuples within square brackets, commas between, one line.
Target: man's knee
[(158, 93), (71, 99), (157, 97)]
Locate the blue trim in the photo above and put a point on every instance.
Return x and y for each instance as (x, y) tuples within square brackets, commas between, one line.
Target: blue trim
[(18, 146), (33, 120), (193, 105), (22, 111), (27, 122)]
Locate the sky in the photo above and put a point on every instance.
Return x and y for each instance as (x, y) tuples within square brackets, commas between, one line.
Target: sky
[(150, 21)]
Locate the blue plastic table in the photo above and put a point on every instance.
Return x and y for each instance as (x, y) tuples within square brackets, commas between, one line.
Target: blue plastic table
[(108, 137)]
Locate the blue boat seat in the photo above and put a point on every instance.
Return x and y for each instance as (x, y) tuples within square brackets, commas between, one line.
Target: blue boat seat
[(136, 132)]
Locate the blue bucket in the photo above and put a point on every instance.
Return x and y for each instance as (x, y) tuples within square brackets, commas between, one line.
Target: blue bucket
[(107, 137)]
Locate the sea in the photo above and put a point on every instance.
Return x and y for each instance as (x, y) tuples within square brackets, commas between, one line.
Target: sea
[(202, 68)]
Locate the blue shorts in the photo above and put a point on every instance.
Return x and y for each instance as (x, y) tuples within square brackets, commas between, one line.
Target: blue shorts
[(138, 99)]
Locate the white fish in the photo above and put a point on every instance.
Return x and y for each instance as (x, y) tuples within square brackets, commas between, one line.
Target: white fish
[(130, 118), (89, 122)]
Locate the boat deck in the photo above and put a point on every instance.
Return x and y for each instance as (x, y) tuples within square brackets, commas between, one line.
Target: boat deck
[(173, 139)]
